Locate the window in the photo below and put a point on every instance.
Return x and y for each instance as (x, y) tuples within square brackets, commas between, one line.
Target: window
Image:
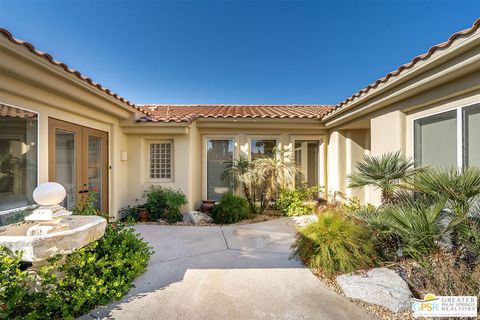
[(448, 139), (306, 157), (161, 161), (471, 136), (262, 149), (18, 157), (219, 154), (436, 140)]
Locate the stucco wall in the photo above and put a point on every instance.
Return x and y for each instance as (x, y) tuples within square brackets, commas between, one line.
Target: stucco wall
[(65, 99)]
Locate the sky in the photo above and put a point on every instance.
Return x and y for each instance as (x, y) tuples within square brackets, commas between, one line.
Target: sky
[(236, 52)]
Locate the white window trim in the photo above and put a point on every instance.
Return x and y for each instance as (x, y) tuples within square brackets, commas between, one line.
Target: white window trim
[(204, 156), (260, 137), (3, 212), (147, 161), (459, 115)]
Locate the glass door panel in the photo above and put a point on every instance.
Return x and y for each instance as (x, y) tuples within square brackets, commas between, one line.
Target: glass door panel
[(95, 166), (219, 153), (307, 157), (95, 169), (78, 160), (65, 165)]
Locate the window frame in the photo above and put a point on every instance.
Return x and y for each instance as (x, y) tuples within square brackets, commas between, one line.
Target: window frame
[(38, 145), (172, 161), (205, 140), (459, 131), (254, 137), (321, 153), (464, 133)]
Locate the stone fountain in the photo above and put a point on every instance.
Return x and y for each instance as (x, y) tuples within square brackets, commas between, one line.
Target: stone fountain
[(51, 229)]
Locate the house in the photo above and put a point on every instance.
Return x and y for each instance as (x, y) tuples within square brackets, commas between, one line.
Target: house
[(58, 125)]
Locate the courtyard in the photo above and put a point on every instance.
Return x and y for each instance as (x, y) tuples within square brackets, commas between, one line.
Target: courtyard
[(227, 272)]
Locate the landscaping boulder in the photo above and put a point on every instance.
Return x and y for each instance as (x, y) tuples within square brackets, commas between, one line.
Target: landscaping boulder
[(196, 217), (380, 286)]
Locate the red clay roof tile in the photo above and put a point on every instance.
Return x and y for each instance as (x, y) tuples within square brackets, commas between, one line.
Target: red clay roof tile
[(189, 113)]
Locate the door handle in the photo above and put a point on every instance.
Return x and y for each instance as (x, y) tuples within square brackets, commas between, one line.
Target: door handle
[(83, 191)]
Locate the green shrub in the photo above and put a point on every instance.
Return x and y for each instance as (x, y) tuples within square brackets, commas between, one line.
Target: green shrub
[(292, 201), (86, 206), (231, 209), (164, 203), (94, 275), (335, 244), (128, 214)]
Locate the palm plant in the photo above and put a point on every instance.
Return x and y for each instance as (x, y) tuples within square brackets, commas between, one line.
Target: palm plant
[(383, 172), (420, 226), (239, 172), (462, 190), (275, 174)]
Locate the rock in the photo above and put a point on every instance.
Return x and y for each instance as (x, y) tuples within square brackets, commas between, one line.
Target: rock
[(196, 217), (380, 286)]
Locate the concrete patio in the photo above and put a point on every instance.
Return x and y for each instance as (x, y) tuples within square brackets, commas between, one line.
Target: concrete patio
[(229, 272)]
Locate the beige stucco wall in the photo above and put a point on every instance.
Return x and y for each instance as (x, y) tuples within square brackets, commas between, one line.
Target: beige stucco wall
[(448, 80), (345, 149), (189, 145), (138, 165), (28, 83)]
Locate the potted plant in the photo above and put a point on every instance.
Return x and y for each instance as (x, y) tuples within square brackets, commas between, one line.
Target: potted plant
[(207, 206), (143, 215)]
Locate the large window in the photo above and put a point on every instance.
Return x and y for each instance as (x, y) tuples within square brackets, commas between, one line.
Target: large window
[(448, 139), (262, 148), (161, 161), (18, 157), (436, 140), (219, 154)]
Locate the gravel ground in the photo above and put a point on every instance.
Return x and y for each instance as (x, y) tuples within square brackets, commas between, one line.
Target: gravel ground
[(267, 216)]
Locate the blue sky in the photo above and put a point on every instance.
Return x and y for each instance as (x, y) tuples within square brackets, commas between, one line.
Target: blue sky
[(248, 52)]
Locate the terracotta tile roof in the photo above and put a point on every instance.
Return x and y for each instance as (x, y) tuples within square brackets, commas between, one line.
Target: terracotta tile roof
[(409, 65), (7, 111), (65, 67), (189, 113)]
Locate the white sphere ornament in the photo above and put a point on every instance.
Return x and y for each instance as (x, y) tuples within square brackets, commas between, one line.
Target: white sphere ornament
[(49, 194)]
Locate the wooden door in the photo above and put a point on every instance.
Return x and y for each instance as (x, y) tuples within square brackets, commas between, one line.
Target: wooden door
[(78, 159)]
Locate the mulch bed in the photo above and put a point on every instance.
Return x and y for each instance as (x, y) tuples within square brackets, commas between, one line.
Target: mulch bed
[(266, 216)]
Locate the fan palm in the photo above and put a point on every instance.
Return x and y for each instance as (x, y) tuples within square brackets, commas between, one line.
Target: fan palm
[(420, 225), (462, 189), (275, 173), (239, 172), (383, 172)]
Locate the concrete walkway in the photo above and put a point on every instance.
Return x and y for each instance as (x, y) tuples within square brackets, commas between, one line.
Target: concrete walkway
[(229, 272)]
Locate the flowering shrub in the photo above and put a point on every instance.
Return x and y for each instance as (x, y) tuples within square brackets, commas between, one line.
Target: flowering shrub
[(94, 275)]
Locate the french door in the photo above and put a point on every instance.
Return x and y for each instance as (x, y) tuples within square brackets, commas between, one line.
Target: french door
[(78, 160)]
